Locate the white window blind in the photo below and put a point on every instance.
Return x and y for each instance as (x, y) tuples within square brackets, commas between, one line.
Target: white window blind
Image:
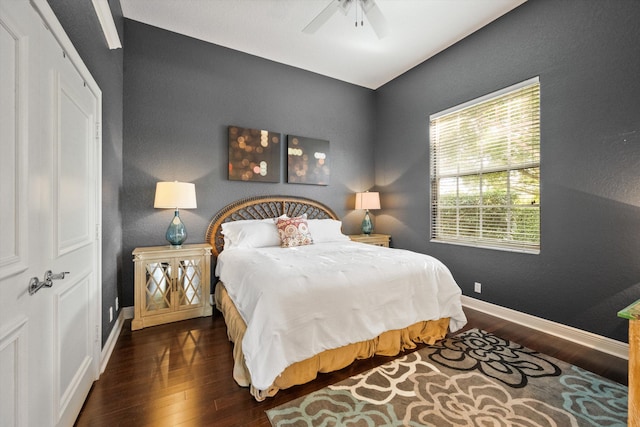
[(485, 171)]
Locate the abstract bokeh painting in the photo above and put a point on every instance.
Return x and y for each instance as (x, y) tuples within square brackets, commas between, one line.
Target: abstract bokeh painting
[(307, 160), (254, 155)]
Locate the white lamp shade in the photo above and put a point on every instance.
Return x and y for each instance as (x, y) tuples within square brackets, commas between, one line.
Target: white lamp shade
[(172, 195), (368, 200)]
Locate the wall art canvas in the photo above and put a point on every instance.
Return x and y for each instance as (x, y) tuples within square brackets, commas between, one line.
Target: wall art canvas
[(254, 155), (307, 160)]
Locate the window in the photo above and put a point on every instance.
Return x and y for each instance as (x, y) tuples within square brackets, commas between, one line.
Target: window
[(485, 171)]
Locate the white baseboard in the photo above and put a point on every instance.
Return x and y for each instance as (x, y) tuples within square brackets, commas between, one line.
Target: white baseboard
[(125, 313), (587, 339)]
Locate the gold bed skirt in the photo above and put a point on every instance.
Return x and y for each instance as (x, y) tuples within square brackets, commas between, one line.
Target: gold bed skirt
[(388, 343)]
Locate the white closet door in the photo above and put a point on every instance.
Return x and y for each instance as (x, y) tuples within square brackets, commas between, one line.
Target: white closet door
[(49, 205)]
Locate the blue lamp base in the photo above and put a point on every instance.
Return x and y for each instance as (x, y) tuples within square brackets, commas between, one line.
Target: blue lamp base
[(177, 232), (367, 225)]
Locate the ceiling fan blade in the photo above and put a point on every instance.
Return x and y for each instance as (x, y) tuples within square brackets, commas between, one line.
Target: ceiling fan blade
[(322, 17), (375, 17)]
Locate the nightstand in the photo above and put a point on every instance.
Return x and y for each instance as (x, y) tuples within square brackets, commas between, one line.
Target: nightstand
[(372, 239), (171, 284)]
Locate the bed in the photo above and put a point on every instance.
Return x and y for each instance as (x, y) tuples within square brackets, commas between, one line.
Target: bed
[(323, 301)]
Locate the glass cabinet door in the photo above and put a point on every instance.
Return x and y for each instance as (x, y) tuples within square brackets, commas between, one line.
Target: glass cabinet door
[(158, 286), (189, 286)]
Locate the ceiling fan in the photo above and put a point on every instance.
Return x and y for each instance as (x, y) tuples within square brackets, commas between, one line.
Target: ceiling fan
[(368, 7)]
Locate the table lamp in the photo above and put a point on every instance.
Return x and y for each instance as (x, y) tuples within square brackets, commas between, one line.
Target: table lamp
[(175, 195), (367, 200)]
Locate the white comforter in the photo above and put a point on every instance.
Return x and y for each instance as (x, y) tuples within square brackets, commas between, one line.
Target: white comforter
[(300, 301)]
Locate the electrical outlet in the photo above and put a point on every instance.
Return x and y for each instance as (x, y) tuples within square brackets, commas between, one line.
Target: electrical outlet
[(477, 287), (117, 305), (110, 314)]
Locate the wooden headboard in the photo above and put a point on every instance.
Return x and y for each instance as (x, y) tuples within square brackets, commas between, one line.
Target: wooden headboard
[(260, 208)]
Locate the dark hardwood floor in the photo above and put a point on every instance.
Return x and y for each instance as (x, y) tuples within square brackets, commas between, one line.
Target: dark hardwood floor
[(179, 374)]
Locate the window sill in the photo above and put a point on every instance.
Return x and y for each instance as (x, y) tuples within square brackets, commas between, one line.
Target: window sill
[(484, 245)]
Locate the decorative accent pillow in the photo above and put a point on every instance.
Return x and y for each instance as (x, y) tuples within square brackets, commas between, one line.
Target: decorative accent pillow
[(326, 230), (294, 231)]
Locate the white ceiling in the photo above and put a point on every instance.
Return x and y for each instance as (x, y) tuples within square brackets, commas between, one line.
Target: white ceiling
[(272, 29)]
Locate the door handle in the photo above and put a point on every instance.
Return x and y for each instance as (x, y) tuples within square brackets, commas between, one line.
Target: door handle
[(49, 276), (35, 284)]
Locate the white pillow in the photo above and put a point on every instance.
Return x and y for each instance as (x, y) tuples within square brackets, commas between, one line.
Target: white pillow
[(326, 230), (258, 233)]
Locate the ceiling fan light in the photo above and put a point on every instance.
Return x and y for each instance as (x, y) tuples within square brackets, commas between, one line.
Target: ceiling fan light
[(344, 6)]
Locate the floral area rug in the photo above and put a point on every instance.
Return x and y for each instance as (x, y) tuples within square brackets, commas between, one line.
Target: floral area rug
[(471, 379)]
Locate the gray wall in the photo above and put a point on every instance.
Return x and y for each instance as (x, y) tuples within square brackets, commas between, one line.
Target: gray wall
[(586, 54), (181, 94), (81, 24)]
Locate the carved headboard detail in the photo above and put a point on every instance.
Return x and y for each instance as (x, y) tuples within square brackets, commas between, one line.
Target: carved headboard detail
[(262, 207)]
